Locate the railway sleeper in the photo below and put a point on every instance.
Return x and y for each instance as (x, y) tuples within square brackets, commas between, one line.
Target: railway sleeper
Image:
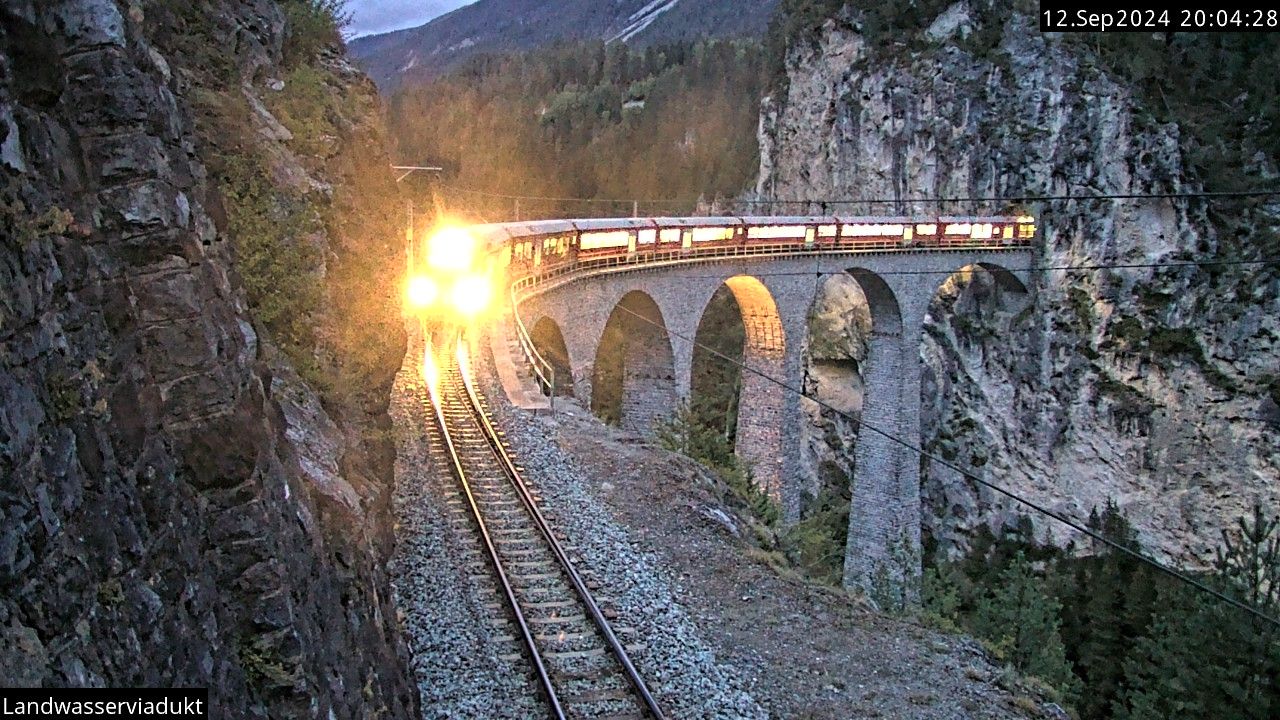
[(599, 695), (558, 619)]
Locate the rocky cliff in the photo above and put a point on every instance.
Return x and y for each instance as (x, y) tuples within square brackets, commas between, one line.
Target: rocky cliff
[(1155, 387), (178, 506)]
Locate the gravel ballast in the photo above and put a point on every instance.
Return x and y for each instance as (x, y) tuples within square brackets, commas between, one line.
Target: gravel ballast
[(714, 630)]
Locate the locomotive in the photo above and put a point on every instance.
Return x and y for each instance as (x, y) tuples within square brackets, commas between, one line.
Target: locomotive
[(451, 277)]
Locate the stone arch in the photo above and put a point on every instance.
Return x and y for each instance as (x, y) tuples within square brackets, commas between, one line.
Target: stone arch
[(742, 321), (633, 383), (1005, 279), (975, 337), (549, 341), (886, 314)]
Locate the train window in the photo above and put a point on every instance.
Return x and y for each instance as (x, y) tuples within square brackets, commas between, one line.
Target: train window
[(980, 231), (775, 231), (827, 231), (701, 235), (600, 240), (647, 237), (670, 235), (874, 230), (926, 229)]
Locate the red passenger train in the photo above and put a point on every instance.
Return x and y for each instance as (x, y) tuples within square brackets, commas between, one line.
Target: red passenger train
[(542, 246)]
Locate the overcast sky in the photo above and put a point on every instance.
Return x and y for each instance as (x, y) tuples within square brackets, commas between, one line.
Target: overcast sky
[(378, 16)]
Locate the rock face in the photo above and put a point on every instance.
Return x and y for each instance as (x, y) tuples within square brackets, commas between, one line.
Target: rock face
[(177, 507), (1153, 387)]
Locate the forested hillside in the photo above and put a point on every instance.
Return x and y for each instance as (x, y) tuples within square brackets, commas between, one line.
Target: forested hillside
[(404, 57), (675, 123)]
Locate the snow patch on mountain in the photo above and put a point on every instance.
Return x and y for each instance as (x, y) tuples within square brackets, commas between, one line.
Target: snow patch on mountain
[(642, 19)]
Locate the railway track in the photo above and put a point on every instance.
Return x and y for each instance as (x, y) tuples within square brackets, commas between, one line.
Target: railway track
[(542, 609)]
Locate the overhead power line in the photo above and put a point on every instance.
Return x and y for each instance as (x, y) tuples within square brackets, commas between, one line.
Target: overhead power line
[(1008, 199), (544, 198), (1065, 520)]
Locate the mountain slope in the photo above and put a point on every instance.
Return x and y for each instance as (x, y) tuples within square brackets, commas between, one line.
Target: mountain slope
[(498, 25)]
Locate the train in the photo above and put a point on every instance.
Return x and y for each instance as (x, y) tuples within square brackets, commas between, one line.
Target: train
[(457, 268), (537, 247)]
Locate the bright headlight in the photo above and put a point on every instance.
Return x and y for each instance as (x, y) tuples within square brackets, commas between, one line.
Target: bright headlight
[(472, 294), (422, 292), (451, 249)]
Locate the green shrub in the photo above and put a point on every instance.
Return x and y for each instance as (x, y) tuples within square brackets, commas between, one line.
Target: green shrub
[(940, 597), (1081, 306), (685, 434), (313, 25), (306, 107), (1174, 341), (1128, 332), (816, 544), (276, 256), (24, 226)]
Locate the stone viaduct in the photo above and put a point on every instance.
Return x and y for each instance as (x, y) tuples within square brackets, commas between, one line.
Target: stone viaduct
[(598, 315)]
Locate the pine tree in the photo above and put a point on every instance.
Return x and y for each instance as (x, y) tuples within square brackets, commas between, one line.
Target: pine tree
[(1020, 619), (1204, 658), (1107, 601)]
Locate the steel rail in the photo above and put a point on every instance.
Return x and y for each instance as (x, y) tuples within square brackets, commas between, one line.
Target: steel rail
[(544, 677), (513, 475)]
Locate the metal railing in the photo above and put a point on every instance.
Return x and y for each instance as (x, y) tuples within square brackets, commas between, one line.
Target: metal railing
[(543, 371)]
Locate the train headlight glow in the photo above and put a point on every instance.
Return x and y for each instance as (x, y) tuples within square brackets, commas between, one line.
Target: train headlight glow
[(422, 292), (451, 249), (471, 294)]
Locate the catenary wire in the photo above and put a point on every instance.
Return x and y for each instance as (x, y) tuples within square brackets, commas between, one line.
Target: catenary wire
[(891, 201)]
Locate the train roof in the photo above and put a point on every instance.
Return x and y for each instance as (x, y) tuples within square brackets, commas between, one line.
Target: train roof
[(591, 224), (690, 222), (502, 232)]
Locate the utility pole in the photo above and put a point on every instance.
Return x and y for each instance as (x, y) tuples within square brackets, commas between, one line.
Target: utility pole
[(406, 171)]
